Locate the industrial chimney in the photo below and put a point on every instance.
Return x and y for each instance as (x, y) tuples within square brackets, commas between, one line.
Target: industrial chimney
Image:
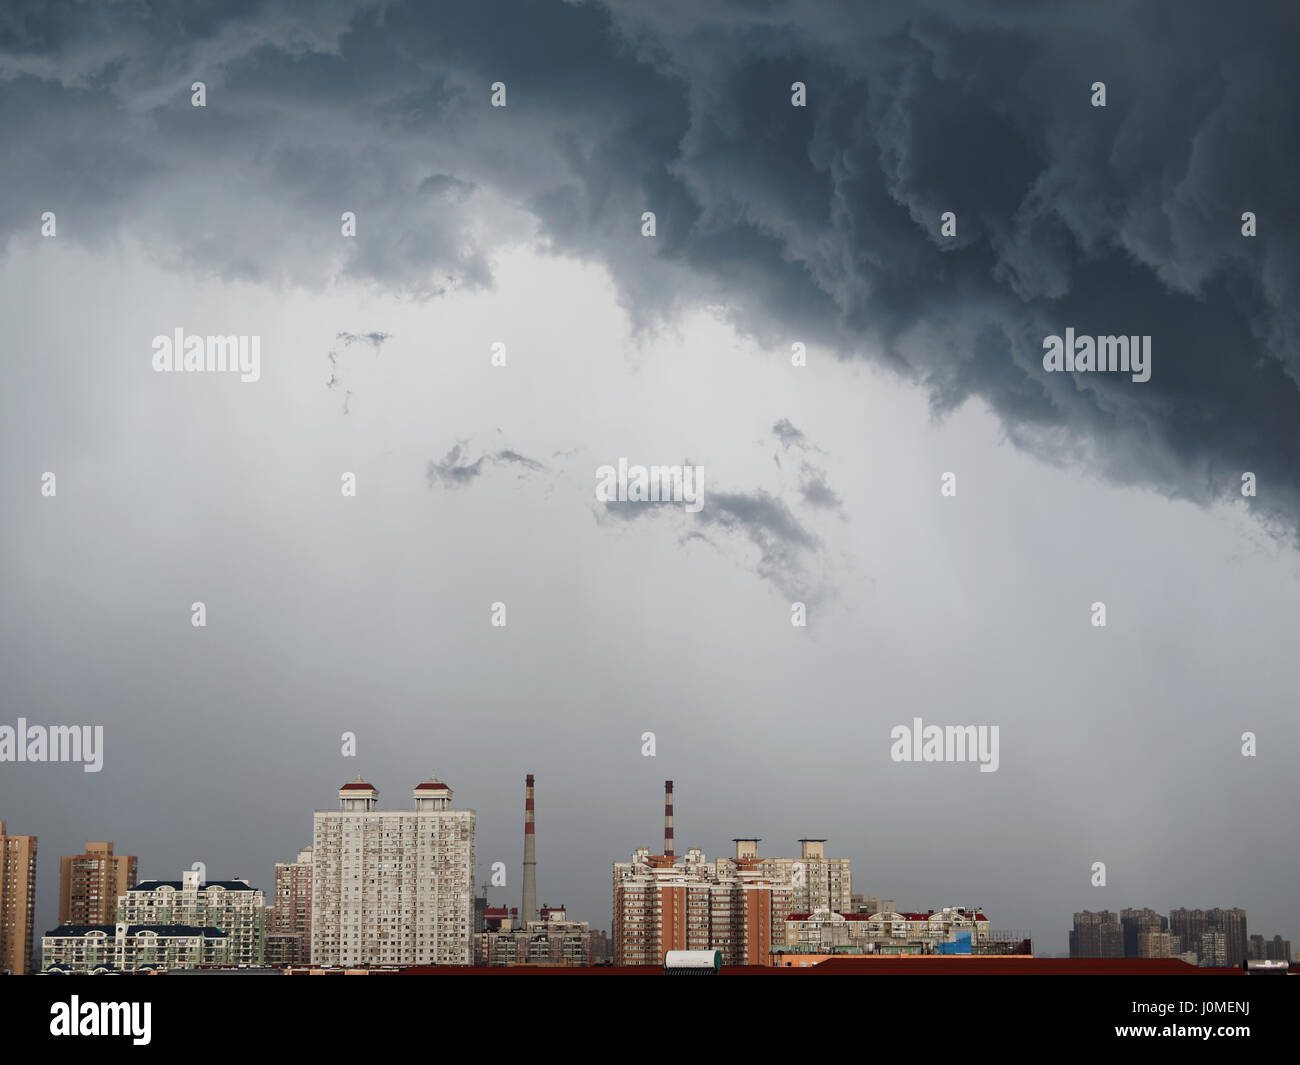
[(668, 818), (528, 911)]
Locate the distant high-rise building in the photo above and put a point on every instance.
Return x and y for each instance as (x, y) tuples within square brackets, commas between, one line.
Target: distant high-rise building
[(17, 901), (90, 884), (1134, 923), (233, 906), (1214, 948), (392, 887), (1188, 926), (289, 920), (1278, 949), (1097, 935), (1191, 926), (1152, 943), (1232, 923)]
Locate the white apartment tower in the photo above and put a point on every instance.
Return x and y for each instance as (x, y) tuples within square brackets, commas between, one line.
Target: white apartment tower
[(392, 887)]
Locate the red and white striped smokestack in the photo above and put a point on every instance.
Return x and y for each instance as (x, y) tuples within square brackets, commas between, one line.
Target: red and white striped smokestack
[(528, 912), (668, 818)]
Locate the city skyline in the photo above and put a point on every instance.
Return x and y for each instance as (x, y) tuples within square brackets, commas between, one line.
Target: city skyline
[(1125, 942)]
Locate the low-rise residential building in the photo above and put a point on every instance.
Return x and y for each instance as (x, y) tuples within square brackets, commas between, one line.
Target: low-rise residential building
[(234, 906), (552, 940), (127, 948), (954, 929)]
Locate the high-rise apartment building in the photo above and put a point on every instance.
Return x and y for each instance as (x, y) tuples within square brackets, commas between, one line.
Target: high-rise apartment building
[(17, 901), (233, 906), (664, 903), (816, 881), (1236, 939), (1152, 943), (1214, 949), (737, 906), (1097, 935), (1188, 926), (392, 887), (1275, 949), (1134, 923), (90, 884), (289, 918), (1192, 925)]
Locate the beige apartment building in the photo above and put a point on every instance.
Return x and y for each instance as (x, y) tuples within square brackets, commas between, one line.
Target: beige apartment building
[(17, 901), (91, 883), (392, 887), (816, 881)]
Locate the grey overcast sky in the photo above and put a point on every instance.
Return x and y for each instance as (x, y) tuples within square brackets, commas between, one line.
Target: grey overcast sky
[(775, 225)]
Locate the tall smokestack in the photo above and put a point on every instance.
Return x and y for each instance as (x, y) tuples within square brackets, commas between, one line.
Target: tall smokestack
[(528, 912), (668, 818)]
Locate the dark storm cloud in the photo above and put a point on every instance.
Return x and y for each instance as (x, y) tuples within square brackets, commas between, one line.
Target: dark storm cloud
[(818, 224), (446, 185)]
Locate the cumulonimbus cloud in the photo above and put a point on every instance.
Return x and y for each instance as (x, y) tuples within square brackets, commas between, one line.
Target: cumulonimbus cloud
[(817, 223)]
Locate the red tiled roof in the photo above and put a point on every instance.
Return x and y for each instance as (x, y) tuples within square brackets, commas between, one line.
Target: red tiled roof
[(357, 785), (432, 785)]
